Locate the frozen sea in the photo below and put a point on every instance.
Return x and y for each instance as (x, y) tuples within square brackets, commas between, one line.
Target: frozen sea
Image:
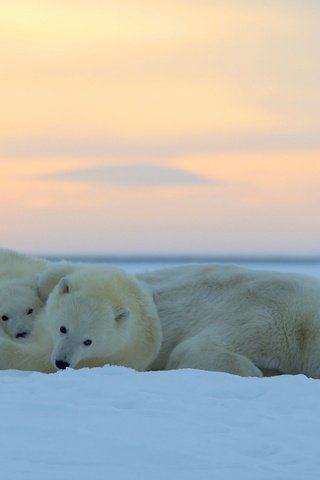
[(113, 422)]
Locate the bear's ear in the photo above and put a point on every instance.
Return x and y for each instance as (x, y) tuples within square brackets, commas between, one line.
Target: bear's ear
[(121, 313), (64, 286), (51, 276)]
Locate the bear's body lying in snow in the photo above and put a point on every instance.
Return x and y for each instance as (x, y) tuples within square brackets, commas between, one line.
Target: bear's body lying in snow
[(232, 319)]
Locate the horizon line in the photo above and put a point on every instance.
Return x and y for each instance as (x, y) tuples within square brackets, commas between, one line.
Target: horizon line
[(171, 258)]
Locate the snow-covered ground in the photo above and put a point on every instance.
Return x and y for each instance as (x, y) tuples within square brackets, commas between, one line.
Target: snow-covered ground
[(115, 423)]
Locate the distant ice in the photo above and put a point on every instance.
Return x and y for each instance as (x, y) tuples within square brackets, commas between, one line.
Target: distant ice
[(308, 267), (137, 264)]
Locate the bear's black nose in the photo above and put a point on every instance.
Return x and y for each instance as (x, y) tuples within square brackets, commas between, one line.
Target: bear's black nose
[(62, 365), (21, 335)]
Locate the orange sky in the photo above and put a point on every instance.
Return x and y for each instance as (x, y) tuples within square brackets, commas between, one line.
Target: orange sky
[(160, 127)]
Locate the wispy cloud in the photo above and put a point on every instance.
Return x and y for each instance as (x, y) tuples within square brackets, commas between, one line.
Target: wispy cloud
[(132, 175), (157, 150)]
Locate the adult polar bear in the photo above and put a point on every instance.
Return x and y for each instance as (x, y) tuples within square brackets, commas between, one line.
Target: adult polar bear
[(96, 315), (221, 317), (241, 321)]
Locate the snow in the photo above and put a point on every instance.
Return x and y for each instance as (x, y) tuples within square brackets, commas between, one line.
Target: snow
[(113, 422)]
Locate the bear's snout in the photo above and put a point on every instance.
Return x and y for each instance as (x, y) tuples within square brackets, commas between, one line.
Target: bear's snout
[(62, 365), (21, 335)]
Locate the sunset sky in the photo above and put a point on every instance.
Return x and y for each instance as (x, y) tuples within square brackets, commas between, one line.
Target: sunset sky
[(160, 127)]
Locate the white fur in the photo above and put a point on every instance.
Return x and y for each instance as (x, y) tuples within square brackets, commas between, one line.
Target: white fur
[(19, 306), (232, 319), (15, 265), (100, 303), (31, 354), (108, 307), (19, 298), (213, 317), (49, 278)]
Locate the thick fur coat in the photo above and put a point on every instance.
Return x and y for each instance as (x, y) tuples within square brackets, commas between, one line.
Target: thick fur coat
[(236, 320)]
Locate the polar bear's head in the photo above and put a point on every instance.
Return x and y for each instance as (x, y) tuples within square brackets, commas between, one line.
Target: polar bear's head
[(99, 315), (19, 305)]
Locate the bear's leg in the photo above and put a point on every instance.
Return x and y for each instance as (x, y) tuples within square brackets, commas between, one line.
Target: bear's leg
[(202, 353)]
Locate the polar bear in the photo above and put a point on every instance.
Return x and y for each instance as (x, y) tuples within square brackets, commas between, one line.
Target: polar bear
[(19, 298), (213, 317), (19, 306), (31, 354), (94, 316), (232, 319)]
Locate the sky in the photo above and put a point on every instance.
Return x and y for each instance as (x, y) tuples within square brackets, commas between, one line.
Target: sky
[(172, 127)]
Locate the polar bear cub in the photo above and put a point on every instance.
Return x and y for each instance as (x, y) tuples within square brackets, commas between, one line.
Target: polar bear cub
[(19, 298), (19, 306)]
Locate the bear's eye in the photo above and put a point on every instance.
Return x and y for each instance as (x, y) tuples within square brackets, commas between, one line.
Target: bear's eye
[(4, 318), (87, 342), (30, 311), (63, 329)]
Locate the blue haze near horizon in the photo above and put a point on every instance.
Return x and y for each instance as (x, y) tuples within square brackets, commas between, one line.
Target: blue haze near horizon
[(135, 263)]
